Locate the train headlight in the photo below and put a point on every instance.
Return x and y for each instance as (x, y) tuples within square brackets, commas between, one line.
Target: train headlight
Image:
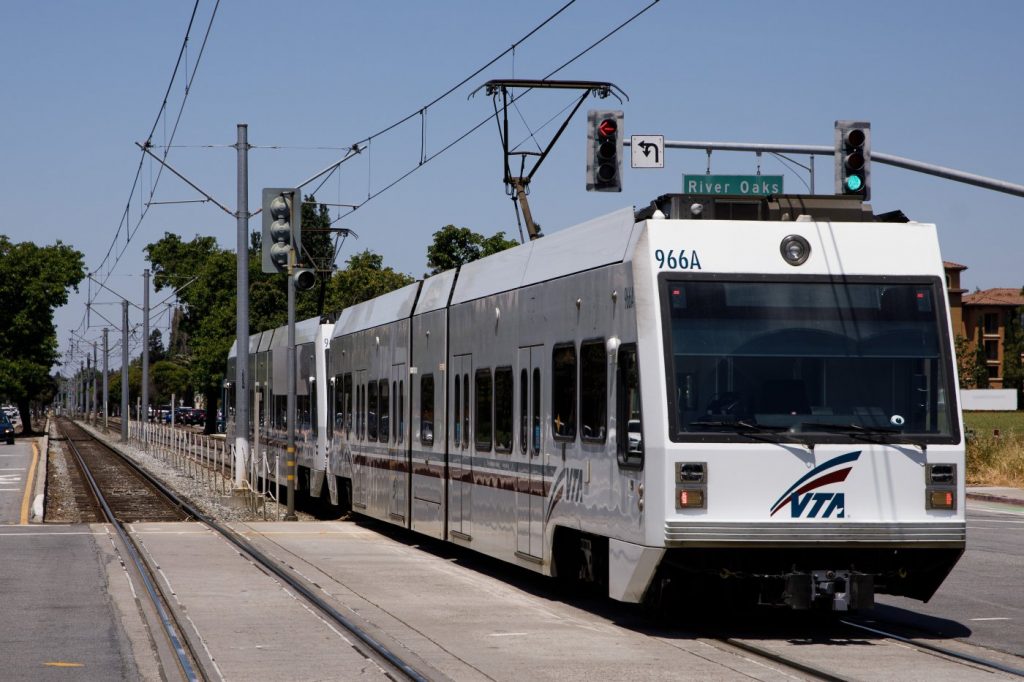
[(795, 249)]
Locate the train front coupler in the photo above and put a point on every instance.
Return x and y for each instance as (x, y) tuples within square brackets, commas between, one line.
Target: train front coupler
[(833, 590)]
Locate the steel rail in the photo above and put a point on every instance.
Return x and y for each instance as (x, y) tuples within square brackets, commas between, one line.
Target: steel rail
[(166, 620), (788, 662), (289, 579), (937, 649)]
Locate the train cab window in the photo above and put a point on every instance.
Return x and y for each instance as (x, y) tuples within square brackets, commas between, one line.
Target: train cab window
[(372, 411), (593, 391), (457, 401), (347, 405), (427, 410), (314, 422), (384, 420), (483, 404), (629, 440), (524, 418), (563, 392), (503, 409)]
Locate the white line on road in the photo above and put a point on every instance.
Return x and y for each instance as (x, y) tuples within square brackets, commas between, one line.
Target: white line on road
[(990, 619)]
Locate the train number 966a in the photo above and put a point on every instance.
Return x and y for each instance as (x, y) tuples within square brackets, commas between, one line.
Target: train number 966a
[(677, 260)]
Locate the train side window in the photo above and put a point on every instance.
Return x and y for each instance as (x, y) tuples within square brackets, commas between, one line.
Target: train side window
[(384, 421), (360, 411), (348, 405), (483, 404), (401, 411), (503, 402), (563, 392), (336, 418), (628, 416), (372, 410), (395, 410), (465, 411), (536, 411), (524, 418), (457, 422), (593, 391), (427, 410)]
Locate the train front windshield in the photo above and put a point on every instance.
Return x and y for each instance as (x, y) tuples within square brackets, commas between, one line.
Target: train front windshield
[(808, 361)]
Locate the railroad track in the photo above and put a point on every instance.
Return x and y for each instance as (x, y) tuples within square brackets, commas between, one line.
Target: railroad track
[(390, 662)]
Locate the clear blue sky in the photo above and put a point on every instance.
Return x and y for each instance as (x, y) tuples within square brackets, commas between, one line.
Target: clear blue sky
[(939, 81)]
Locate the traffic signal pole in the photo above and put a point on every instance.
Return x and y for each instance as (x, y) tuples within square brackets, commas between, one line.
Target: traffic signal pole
[(877, 157)]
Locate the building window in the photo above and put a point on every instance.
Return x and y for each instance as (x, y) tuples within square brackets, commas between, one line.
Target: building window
[(991, 323), (993, 371), (991, 350)]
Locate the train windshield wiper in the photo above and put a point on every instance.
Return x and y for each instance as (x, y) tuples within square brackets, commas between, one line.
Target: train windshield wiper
[(742, 428), (852, 430)]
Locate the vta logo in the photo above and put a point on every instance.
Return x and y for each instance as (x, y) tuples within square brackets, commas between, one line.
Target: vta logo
[(836, 505), (812, 505)]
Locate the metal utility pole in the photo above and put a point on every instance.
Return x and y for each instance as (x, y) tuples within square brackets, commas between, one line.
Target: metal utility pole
[(106, 378), (290, 356), (124, 371), (81, 388), (92, 375), (145, 354), (242, 308)]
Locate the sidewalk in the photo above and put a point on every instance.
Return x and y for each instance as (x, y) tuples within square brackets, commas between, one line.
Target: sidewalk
[(1014, 496)]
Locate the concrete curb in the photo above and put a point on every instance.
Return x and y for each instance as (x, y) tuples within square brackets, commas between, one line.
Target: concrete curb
[(39, 489), (999, 499)]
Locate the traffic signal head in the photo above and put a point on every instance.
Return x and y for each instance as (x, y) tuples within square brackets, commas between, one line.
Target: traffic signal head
[(853, 158), (604, 151), (305, 278), (282, 226)]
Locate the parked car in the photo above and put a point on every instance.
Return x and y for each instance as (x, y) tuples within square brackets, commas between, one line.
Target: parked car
[(6, 428)]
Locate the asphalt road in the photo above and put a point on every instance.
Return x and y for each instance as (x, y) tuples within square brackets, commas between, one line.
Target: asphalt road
[(982, 601), (15, 461)]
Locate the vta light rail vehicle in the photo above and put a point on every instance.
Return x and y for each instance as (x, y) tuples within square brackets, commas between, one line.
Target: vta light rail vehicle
[(753, 394)]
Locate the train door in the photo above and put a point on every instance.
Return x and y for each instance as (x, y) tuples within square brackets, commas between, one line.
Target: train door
[(532, 483), (460, 455), (360, 471), (397, 450)]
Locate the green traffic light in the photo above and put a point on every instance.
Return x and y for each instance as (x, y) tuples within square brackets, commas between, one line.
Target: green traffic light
[(854, 183)]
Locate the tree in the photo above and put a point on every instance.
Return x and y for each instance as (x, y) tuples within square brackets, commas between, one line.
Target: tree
[(156, 346), (454, 246), (980, 360), (34, 281), (169, 378), (966, 361), (364, 278), (1013, 347)]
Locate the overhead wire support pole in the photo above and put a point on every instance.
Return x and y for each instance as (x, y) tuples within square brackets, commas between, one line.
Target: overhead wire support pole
[(124, 372), (878, 157), (242, 307)]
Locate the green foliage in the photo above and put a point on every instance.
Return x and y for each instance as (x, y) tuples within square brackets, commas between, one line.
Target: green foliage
[(1013, 346), (364, 278), (966, 361), (454, 246), (980, 360), (169, 378), (34, 281)]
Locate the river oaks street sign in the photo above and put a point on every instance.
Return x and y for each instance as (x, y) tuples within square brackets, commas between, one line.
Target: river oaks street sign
[(752, 185)]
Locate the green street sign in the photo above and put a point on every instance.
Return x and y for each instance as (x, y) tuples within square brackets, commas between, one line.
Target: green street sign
[(752, 185)]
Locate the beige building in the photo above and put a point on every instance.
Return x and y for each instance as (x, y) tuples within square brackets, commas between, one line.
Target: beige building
[(982, 317)]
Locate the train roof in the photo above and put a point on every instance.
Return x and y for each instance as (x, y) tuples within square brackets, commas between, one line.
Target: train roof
[(391, 306), (586, 246)]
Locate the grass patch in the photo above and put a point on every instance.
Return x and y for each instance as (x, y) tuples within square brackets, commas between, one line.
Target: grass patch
[(991, 459)]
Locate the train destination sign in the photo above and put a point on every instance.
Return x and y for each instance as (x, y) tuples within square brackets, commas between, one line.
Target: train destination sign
[(753, 185)]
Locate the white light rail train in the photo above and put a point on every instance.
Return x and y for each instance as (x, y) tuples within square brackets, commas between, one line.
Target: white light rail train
[(755, 395)]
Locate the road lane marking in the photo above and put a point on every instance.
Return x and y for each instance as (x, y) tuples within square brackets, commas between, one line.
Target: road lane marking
[(63, 664), (28, 484), (990, 619)]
